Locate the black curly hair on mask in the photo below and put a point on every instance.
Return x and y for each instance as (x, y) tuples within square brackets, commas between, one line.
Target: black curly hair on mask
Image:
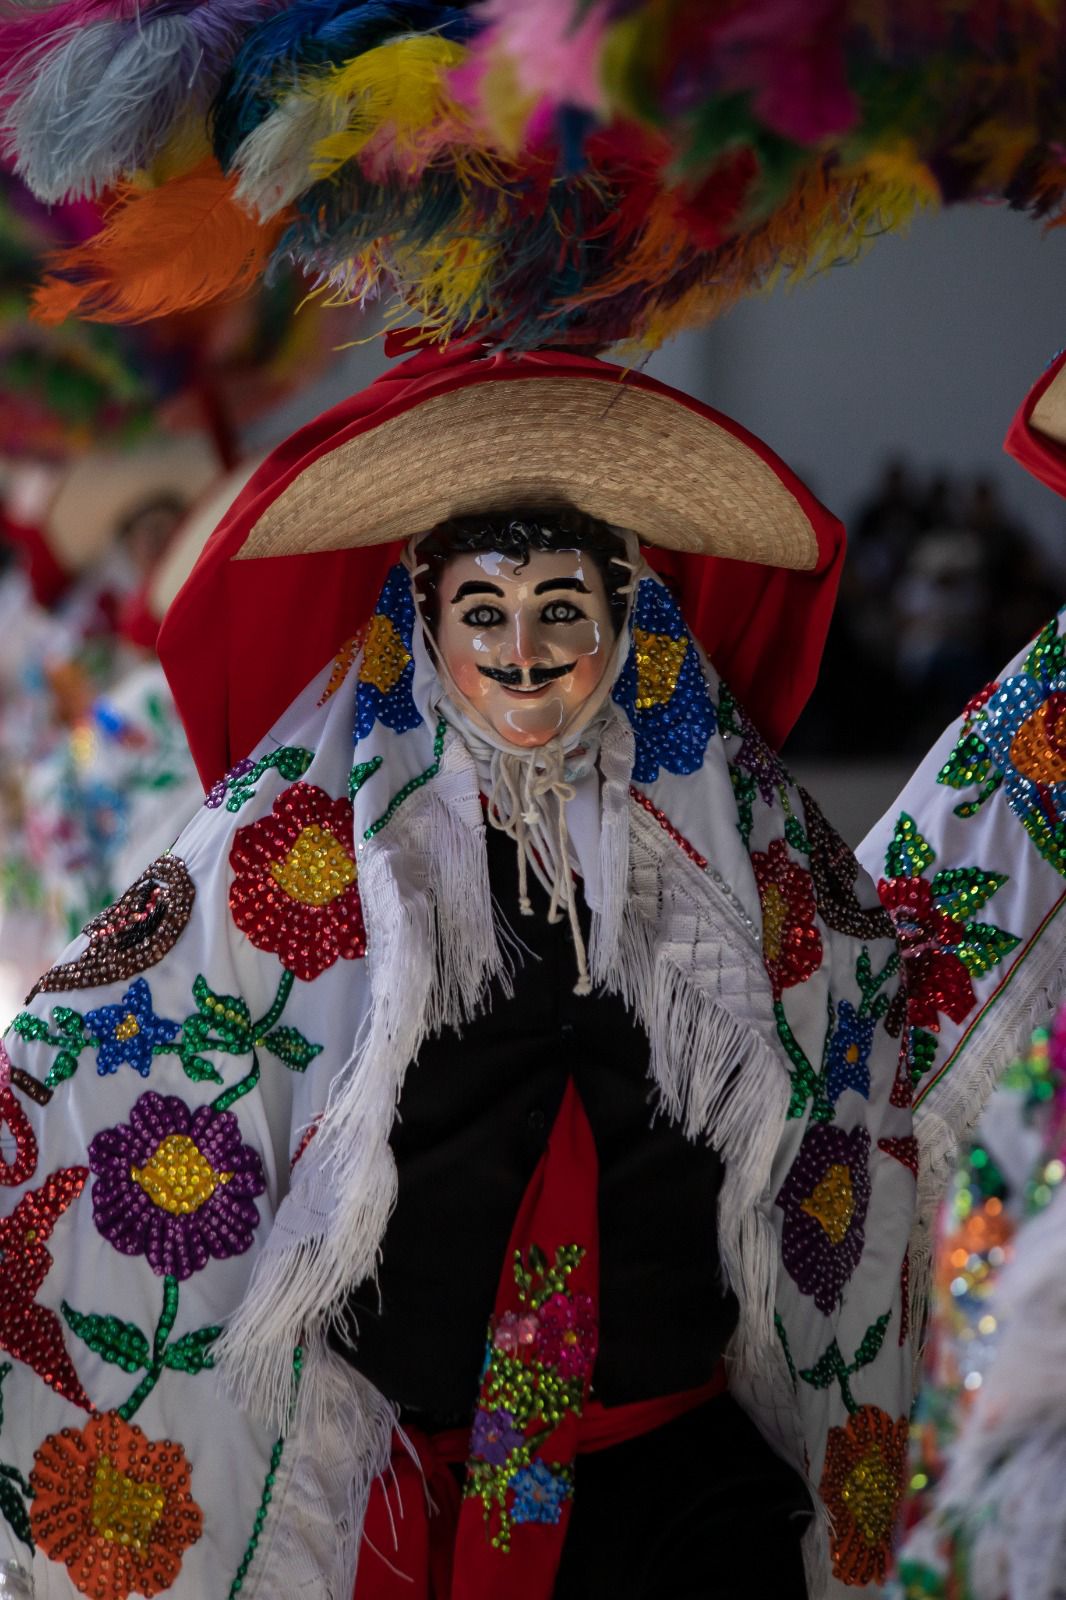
[(518, 534)]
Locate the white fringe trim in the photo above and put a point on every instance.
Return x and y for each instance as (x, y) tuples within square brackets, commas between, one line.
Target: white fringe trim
[(432, 953)]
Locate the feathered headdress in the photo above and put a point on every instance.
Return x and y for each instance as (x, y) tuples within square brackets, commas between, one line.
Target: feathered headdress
[(533, 172)]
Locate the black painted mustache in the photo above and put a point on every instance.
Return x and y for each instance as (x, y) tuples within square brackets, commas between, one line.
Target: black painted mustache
[(511, 677)]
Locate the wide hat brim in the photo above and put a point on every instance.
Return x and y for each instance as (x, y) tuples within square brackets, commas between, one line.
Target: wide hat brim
[(543, 431), (295, 566), (102, 490)]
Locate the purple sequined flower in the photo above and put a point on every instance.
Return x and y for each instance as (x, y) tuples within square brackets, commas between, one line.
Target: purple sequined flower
[(848, 1066), (493, 1436), (540, 1493), (176, 1185), (217, 792), (825, 1198), (129, 1030)]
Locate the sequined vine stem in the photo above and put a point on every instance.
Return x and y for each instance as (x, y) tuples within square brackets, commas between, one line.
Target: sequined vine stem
[(281, 1000), (806, 1082), (267, 1494), (415, 783), (228, 1097), (159, 1347)]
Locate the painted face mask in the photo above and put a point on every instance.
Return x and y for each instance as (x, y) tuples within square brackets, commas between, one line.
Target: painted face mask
[(526, 644)]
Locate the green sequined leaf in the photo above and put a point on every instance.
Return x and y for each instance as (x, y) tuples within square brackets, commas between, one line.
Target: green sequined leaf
[(826, 1369), (969, 762), (871, 1342), (121, 1343), (1046, 657), (292, 761), (962, 891), (909, 853), (27, 1026), (13, 1510), (744, 789), (924, 1047), (290, 1046), (70, 1023), (200, 1070), (779, 1329), (360, 773), (227, 1016), (984, 947), (64, 1066), (5, 1368), (193, 1351)]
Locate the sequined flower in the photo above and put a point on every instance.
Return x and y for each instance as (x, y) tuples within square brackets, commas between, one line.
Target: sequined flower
[(176, 1185), (662, 689), (848, 1063), (514, 1332), (493, 1436), (386, 672), (937, 980), (862, 1485), (825, 1199), (567, 1337), (28, 1331), (295, 887), (540, 1494), (791, 944), (114, 1507), (129, 1030)]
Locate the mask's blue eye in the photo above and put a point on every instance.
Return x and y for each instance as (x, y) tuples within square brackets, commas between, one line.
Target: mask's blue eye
[(562, 611), (483, 616)]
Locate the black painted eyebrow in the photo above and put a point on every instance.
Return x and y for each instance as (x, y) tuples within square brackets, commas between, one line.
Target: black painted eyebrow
[(561, 583), (475, 586)]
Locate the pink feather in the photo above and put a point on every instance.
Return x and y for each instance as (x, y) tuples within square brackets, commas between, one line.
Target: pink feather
[(553, 55), (32, 29)]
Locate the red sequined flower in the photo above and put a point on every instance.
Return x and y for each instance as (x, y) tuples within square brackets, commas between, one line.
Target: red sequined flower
[(937, 980), (791, 944), (567, 1336), (862, 1486), (295, 891), (114, 1507), (28, 1331)]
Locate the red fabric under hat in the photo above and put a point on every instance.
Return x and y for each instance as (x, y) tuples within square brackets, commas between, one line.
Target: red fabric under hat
[(244, 637)]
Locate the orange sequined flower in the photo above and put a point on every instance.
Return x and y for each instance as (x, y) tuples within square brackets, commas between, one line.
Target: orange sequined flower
[(114, 1507), (862, 1486), (295, 890), (791, 944)]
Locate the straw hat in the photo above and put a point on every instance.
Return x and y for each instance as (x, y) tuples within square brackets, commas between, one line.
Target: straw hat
[(481, 433), (101, 490)]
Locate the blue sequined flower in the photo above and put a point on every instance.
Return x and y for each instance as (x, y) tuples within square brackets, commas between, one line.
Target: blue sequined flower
[(127, 1031), (848, 1066), (387, 671), (540, 1494), (662, 689)]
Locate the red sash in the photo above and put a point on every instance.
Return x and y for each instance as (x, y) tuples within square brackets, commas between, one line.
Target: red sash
[(502, 1532)]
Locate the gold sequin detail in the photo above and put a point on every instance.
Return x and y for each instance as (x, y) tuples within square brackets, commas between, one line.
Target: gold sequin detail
[(659, 662), (316, 870), (774, 918), (385, 656), (832, 1203), (128, 1028), (124, 1511), (178, 1178), (870, 1492), (1035, 751)]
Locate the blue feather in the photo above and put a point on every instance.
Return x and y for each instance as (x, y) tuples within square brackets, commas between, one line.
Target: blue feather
[(310, 34)]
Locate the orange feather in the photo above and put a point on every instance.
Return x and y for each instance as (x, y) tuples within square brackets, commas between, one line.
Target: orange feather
[(162, 250)]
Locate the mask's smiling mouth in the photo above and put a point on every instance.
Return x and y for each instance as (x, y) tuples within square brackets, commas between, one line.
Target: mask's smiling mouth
[(526, 680)]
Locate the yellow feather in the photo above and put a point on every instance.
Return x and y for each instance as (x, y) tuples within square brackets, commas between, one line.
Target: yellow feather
[(399, 90)]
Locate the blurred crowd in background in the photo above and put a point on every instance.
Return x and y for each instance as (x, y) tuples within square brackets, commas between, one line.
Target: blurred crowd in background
[(941, 585)]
